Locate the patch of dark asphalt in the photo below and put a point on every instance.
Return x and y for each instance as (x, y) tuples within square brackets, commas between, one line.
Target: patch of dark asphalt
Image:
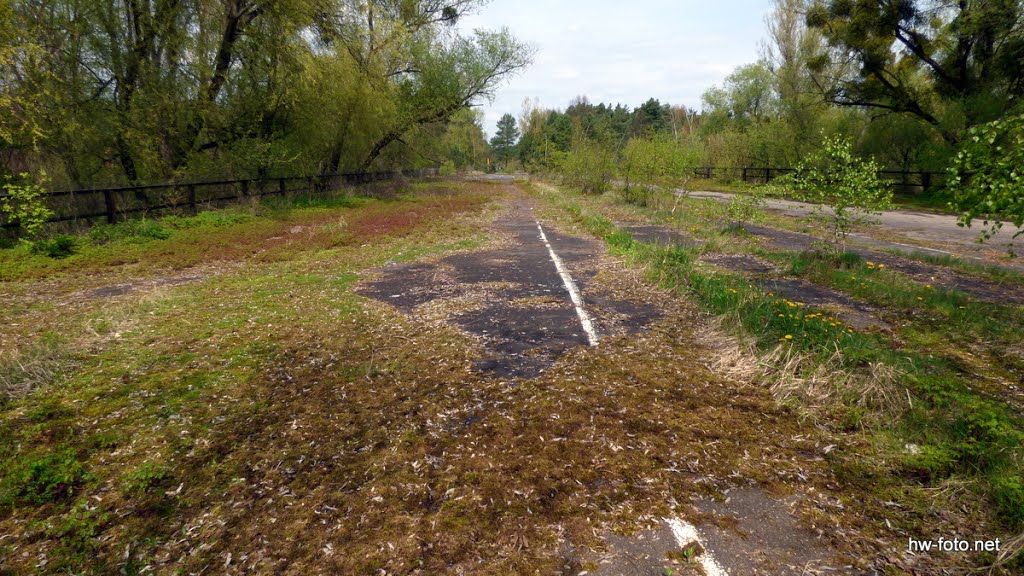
[(936, 275), (750, 532), (523, 340), (851, 311), (784, 239), (521, 312), (739, 263), (115, 290), (659, 235)]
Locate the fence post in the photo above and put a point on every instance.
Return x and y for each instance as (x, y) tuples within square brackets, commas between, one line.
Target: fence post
[(245, 188), (767, 175), (192, 199), (743, 177), (926, 181), (108, 199)]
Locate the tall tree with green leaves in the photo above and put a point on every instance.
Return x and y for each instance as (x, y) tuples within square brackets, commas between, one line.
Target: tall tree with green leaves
[(503, 143), (953, 65)]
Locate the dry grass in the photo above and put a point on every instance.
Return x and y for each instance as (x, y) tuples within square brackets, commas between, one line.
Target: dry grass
[(34, 366), (804, 379)]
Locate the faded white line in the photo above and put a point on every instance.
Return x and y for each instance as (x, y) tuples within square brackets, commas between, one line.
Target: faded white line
[(687, 534), (574, 293)]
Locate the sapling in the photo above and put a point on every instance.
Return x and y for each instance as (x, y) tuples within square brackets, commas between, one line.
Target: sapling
[(845, 190)]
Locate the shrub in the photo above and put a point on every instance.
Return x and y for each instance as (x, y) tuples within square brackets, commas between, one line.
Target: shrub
[(23, 203), (60, 246), (930, 462), (1008, 491), (146, 477), (589, 166), (744, 208), (656, 163)]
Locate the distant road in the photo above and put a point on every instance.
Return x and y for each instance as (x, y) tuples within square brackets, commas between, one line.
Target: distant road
[(937, 232), (520, 176)]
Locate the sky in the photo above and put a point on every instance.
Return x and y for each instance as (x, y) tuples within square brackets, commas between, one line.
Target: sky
[(623, 51)]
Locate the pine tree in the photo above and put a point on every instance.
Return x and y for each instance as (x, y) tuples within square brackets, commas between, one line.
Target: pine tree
[(504, 142)]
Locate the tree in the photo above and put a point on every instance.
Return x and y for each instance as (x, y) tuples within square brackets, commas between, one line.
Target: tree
[(845, 189), (449, 77), (651, 117), (589, 164), (792, 45), (504, 141), (747, 96), (952, 65), (654, 164), (104, 92), (987, 176), (464, 140)]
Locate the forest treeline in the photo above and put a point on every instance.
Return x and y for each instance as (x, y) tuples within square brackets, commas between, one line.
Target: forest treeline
[(97, 92), (909, 82)]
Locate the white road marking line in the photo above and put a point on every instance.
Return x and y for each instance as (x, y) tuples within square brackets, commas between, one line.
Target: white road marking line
[(687, 534), (574, 293)]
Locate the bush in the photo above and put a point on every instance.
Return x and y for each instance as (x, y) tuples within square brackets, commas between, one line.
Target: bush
[(23, 203), (145, 478), (654, 164), (60, 246), (589, 166), (743, 208), (930, 462)]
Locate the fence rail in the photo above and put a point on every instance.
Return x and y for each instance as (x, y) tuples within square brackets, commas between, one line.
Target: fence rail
[(907, 182), (116, 203)]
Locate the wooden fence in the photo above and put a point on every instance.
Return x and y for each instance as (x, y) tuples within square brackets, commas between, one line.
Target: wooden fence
[(84, 207), (904, 182)]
